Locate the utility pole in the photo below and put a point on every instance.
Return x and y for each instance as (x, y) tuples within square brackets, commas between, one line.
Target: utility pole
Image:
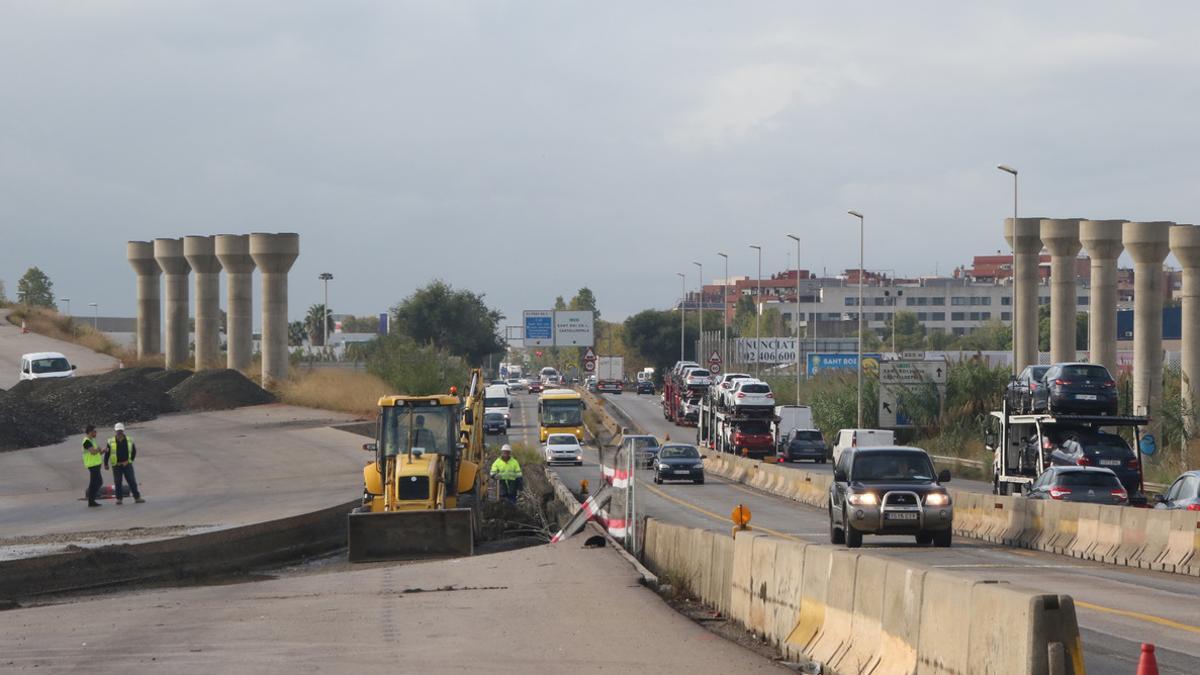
[(757, 310), (796, 316), (325, 277), (858, 215), (682, 300), (1016, 367), (725, 313), (699, 352)]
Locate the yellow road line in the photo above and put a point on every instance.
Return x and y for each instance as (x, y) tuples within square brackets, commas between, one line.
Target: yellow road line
[(714, 516), (1149, 618)]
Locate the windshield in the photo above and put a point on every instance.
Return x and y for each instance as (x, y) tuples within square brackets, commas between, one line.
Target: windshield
[(647, 442), (54, 365), (807, 436), (698, 373), (679, 452), (1100, 479), (562, 439), (898, 465), (494, 417), (567, 413), (430, 428), (494, 402)]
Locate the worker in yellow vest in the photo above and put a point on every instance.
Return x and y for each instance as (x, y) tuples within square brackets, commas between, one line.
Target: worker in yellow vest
[(121, 453), (507, 470), (92, 460)]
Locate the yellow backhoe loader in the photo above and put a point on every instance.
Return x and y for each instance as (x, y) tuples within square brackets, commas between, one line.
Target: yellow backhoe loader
[(422, 492)]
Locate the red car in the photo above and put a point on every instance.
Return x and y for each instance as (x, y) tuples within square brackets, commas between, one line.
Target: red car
[(535, 386)]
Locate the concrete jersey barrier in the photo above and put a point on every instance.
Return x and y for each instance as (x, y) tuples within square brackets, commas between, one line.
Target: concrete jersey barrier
[(856, 612)]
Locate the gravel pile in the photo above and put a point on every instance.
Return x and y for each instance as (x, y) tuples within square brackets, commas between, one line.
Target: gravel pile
[(43, 412), (218, 390)]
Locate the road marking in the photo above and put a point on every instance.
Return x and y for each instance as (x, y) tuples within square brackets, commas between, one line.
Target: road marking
[(714, 516), (1149, 618)]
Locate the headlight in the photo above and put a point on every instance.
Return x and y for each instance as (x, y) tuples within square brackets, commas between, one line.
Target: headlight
[(863, 499), (937, 499)]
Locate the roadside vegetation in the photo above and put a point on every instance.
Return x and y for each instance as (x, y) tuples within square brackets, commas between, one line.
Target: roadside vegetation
[(350, 391)]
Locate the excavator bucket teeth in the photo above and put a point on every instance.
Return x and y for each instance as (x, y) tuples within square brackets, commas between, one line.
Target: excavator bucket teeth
[(405, 535)]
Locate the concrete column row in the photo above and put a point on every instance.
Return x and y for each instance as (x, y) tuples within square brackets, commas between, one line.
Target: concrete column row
[(238, 255), (1148, 243)]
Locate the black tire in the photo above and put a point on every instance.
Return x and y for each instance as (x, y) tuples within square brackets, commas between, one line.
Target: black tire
[(658, 480), (578, 463), (699, 481), (943, 539), (836, 534), (853, 536), (924, 539)]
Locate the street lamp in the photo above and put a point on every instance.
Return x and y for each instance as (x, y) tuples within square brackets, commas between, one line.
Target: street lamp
[(325, 277), (68, 301), (1008, 169), (796, 316), (757, 309), (725, 313), (858, 215), (95, 315), (682, 309), (698, 354)]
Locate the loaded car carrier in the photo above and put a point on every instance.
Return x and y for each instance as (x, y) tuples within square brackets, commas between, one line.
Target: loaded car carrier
[(680, 400), (1016, 462), (748, 431)]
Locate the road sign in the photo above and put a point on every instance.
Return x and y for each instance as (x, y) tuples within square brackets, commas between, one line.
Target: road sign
[(897, 378), (714, 363), (589, 366), (574, 329), (818, 362), (589, 355), (539, 328), (912, 372)]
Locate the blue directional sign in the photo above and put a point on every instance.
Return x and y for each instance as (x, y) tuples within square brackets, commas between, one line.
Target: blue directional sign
[(539, 328), (818, 362)]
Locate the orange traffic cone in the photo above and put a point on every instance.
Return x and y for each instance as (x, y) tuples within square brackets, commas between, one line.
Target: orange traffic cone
[(1147, 664)]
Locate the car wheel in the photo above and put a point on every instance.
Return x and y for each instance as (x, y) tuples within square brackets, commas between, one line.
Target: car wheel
[(578, 463), (853, 536), (943, 539), (924, 538), (836, 534), (657, 480), (699, 481)]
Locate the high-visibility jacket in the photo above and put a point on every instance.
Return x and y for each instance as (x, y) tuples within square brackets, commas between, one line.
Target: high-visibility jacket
[(510, 470), (112, 451), (91, 459)]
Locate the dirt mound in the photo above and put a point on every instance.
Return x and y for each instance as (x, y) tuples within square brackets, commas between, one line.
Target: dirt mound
[(127, 395), (28, 424), (167, 379), (218, 390)]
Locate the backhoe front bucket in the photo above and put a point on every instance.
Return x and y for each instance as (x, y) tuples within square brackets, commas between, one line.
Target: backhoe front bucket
[(405, 535)]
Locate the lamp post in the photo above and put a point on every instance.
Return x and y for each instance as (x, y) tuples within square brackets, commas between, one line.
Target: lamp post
[(797, 315), (1008, 169), (858, 215), (698, 350), (95, 315), (325, 277), (68, 301), (682, 309), (757, 309), (725, 313)]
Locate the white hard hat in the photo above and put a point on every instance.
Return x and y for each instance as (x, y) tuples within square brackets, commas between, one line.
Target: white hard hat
[(506, 448), (119, 427)]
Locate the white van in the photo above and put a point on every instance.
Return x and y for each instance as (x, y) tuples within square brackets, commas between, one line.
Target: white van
[(45, 365), (496, 400), (862, 438)]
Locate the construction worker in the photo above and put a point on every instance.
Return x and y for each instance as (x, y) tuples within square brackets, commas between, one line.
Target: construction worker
[(507, 470), (92, 459), (121, 453)]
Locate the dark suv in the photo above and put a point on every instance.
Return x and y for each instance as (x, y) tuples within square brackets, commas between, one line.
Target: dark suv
[(889, 490), (1087, 447), (1083, 388), (801, 444), (1020, 390)]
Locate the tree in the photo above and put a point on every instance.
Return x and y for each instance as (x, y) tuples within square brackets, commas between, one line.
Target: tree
[(360, 324), (993, 336), (296, 333), (3, 297), (412, 368), (456, 321), (585, 299), (35, 289), (559, 303), (312, 324), (654, 334), (910, 333)]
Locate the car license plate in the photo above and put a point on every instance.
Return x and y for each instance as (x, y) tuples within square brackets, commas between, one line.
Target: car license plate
[(682, 471), (900, 516), (1110, 462), (1086, 397)]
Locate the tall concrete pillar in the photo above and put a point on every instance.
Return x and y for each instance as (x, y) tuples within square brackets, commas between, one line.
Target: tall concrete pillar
[(169, 254), (1185, 244), (233, 250), (1061, 237), (1102, 239), (274, 255), (1024, 236), (1148, 244), (200, 252), (149, 297)]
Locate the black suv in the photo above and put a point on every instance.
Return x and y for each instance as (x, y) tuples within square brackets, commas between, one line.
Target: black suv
[(889, 490), (1071, 446), (801, 444), (1084, 388)]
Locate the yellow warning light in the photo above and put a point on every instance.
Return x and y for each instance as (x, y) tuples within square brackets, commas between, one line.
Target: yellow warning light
[(740, 515)]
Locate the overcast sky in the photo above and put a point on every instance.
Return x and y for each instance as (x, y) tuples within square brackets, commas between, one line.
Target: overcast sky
[(524, 149)]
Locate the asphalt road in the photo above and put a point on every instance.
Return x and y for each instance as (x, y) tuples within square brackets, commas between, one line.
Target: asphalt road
[(1118, 608), (14, 343), (197, 471)]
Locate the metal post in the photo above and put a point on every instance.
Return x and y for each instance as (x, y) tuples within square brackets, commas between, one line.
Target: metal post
[(68, 301), (858, 215), (796, 316), (705, 350), (95, 315), (682, 300), (325, 277), (1016, 366), (725, 314), (757, 309)]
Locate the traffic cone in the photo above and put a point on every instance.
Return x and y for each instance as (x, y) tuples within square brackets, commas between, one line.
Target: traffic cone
[(1147, 664)]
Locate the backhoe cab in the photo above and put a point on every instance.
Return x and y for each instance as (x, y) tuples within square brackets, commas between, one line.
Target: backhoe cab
[(420, 494)]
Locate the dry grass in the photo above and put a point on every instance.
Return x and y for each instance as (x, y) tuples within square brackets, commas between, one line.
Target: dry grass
[(349, 391), (52, 324)]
